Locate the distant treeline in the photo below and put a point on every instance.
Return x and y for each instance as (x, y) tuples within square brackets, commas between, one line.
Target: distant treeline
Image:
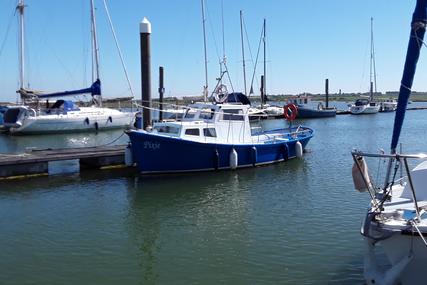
[(344, 97)]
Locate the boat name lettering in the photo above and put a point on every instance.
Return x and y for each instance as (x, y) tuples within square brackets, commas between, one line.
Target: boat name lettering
[(152, 145)]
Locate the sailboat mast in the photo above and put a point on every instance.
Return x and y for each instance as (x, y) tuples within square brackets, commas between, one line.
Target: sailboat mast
[(222, 61), (205, 88), (20, 7), (265, 72), (243, 50), (373, 57), (94, 40), (416, 38), (372, 69)]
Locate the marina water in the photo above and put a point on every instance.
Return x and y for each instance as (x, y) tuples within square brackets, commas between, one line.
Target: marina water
[(290, 223)]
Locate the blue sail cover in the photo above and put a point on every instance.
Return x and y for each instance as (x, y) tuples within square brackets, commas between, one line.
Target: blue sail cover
[(94, 89), (237, 97), (418, 26)]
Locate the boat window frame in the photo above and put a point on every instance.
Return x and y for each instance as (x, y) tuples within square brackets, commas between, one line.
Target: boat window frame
[(190, 114), (226, 115), (176, 129), (207, 114), (209, 132), (197, 130)]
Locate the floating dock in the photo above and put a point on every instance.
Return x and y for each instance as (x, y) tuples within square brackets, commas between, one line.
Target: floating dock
[(36, 161)]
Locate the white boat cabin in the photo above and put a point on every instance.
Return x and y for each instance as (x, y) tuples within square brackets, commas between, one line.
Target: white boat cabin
[(299, 100), (207, 122)]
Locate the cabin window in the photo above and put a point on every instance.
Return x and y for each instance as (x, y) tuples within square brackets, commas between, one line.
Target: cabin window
[(209, 132), (232, 115), (167, 129), (190, 114), (207, 114), (192, 132)]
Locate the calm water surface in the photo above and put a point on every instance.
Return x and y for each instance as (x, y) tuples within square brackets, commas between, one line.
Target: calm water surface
[(290, 223)]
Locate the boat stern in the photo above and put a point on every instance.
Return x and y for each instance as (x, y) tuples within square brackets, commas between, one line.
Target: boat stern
[(14, 116)]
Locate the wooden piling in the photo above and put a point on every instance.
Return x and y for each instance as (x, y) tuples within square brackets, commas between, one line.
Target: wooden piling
[(327, 92), (145, 32)]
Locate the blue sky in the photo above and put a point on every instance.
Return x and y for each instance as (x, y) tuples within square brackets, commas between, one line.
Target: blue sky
[(307, 41)]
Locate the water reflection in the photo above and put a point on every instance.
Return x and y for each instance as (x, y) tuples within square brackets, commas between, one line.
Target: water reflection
[(179, 219)]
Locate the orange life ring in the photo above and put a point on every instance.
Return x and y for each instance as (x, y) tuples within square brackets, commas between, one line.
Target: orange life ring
[(290, 112)]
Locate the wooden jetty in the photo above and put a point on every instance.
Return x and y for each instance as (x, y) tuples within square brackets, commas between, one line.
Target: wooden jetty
[(347, 112), (416, 108), (343, 112), (36, 161)]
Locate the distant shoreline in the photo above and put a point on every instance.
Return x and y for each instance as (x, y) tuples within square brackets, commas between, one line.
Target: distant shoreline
[(346, 97)]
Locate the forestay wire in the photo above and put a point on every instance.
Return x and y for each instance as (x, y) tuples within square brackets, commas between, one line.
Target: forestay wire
[(118, 47)]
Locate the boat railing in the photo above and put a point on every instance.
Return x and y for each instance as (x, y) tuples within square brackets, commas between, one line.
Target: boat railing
[(396, 162), (280, 137), (32, 112), (300, 131), (384, 155)]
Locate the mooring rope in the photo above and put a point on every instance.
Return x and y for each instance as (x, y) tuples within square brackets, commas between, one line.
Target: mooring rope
[(190, 108), (413, 223)]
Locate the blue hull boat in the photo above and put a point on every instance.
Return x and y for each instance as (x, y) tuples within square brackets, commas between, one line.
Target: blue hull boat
[(213, 137), (313, 113), (306, 111), (156, 153)]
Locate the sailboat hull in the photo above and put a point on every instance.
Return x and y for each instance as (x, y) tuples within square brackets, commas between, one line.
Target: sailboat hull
[(27, 121), (362, 110), (312, 113), (398, 247)]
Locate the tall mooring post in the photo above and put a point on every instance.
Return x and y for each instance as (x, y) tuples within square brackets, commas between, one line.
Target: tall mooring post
[(145, 32), (161, 92), (327, 92)]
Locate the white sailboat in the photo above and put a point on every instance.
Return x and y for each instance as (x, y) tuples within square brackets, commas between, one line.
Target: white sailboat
[(63, 115), (365, 105), (263, 110), (396, 220)]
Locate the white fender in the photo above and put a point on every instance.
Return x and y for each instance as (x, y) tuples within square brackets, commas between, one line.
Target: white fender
[(233, 159), (359, 178), (128, 156), (298, 149)]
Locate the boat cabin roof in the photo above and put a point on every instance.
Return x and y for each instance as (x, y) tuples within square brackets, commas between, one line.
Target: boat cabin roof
[(299, 99), (210, 112), (419, 181), (209, 122), (361, 102), (67, 105)]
